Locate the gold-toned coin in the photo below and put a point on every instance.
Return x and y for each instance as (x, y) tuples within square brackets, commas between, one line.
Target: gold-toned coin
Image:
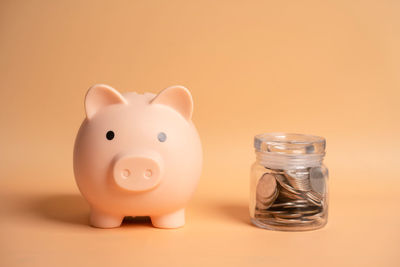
[(266, 191)]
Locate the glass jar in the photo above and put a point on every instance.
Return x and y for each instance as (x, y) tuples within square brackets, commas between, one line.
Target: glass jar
[(289, 183)]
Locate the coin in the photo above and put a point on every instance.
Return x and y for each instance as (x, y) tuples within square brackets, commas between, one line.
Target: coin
[(288, 215), (315, 198), (299, 179), (317, 180), (284, 183), (291, 197), (293, 203), (266, 186), (266, 191), (288, 195)]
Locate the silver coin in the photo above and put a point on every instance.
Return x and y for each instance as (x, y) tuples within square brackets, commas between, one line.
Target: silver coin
[(299, 179), (298, 173), (292, 204), (315, 198), (298, 206), (287, 194), (309, 212), (317, 180), (284, 183), (276, 211), (288, 215)]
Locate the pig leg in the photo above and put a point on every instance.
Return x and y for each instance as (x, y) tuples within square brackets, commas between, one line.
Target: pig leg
[(101, 219), (172, 220)]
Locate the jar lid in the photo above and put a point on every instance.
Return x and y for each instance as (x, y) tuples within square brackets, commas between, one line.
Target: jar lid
[(289, 143)]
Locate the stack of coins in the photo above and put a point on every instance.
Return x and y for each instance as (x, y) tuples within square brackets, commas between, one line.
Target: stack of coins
[(291, 197)]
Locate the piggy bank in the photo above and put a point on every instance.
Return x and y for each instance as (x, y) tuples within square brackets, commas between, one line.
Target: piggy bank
[(137, 155)]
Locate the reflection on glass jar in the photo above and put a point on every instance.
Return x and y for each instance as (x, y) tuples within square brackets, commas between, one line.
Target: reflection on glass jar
[(288, 188)]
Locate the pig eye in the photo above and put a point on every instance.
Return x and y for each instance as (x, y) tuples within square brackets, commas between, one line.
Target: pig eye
[(110, 135), (162, 137)]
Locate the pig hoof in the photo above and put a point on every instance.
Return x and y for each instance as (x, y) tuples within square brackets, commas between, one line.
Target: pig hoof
[(172, 220), (102, 220)]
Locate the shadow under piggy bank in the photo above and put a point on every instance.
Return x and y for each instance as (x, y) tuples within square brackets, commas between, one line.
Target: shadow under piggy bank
[(73, 209), (67, 208)]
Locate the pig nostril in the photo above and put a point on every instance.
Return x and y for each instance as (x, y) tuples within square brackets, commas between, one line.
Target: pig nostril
[(147, 174), (125, 173)]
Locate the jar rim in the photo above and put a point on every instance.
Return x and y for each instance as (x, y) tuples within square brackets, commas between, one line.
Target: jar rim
[(289, 143)]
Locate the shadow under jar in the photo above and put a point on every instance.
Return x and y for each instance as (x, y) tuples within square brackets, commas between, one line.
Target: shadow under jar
[(289, 183)]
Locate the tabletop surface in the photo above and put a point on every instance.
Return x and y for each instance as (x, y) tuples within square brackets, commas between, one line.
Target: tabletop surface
[(48, 225)]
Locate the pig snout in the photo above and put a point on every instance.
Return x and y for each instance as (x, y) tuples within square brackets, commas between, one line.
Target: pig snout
[(137, 172)]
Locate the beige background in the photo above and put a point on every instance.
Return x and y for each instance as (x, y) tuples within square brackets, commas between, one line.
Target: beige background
[(328, 68)]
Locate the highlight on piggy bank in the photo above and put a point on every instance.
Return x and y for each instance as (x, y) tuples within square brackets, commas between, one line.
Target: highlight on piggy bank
[(137, 155)]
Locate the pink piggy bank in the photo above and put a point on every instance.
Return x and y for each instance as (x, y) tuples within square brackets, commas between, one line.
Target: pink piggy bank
[(137, 155)]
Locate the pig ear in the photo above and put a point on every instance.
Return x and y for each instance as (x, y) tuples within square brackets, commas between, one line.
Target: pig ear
[(178, 98), (99, 96)]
